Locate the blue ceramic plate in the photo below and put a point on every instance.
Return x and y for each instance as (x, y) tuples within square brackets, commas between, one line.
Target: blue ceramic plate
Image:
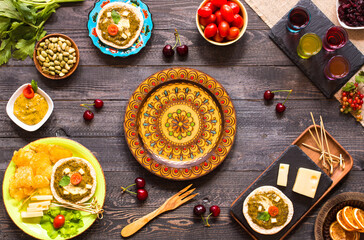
[(139, 43)]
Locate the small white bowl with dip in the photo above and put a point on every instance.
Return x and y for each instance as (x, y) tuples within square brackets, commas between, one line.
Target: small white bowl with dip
[(10, 109)]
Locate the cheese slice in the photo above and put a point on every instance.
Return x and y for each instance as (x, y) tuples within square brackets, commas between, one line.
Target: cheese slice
[(283, 174), (41, 197), (31, 214), (306, 182), (39, 204), (37, 209)]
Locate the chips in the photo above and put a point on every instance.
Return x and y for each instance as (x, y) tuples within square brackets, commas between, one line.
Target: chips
[(34, 169)]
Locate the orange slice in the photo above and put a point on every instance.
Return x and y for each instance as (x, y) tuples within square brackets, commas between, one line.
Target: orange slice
[(339, 233), (348, 213), (359, 218), (340, 219)]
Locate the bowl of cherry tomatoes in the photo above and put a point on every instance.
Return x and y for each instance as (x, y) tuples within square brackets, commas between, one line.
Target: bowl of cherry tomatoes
[(221, 22)]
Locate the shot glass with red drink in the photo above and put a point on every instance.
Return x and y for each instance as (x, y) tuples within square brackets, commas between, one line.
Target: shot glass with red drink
[(298, 18), (335, 38)]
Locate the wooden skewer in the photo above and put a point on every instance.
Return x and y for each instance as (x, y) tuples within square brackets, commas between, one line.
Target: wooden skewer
[(314, 139), (327, 143), (318, 150), (313, 120)]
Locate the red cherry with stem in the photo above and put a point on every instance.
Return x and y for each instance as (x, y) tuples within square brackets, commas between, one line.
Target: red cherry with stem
[(168, 51), (215, 210), (142, 194), (280, 107), (140, 182), (199, 210), (268, 95), (88, 115), (98, 103)]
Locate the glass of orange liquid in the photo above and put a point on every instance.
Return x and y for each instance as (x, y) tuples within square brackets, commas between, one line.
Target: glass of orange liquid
[(336, 68)]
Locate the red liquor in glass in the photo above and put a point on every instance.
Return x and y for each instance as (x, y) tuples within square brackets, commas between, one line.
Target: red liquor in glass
[(336, 37), (298, 18)]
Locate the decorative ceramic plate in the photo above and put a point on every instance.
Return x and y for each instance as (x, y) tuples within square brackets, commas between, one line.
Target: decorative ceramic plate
[(139, 43), (180, 124), (33, 228)]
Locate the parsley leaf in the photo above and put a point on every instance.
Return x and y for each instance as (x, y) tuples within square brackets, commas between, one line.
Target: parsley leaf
[(25, 48), (264, 216), (65, 181), (360, 78), (34, 85), (115, 16), (349, 87)]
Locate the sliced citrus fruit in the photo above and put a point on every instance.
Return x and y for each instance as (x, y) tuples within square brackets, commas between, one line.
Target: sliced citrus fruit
[(340, 219), (339, 233), (348, 214), (359, 217)]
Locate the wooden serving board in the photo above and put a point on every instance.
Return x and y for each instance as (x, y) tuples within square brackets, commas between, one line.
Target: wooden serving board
[(269, 177)]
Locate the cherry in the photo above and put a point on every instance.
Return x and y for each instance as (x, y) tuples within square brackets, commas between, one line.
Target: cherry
[(98, 103), (268, 95), (199, 210), (88, 115), (280, 107), (215, 210), (140, 182), (142, 194), (182, 50), (168, 51)]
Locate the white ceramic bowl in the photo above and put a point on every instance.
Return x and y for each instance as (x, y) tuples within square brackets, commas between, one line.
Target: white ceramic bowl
[(10, 109), (243, 13), (342, 23)]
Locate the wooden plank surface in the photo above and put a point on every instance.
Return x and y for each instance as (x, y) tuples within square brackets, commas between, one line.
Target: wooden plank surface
[(246, 69)]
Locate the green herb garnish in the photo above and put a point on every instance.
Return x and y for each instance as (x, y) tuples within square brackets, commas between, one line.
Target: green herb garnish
[(264, 216), (115, 16), (65, 181), (34, 85), (21, 25), (360, 77)]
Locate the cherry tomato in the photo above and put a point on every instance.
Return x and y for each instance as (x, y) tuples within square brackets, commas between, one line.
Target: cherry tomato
[(204, 12), (112, 29), (234, 6), (28, 92), (76, 178), (224, 29), (58, 221), (212, 6), (273, 211), (210, 30), (227, 13), (217, 37), (208, 20), (233, 33), (219, 18), (218, 3), (238, 21)]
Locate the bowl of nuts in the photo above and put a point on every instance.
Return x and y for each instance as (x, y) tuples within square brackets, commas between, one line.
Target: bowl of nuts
[(56, 56)]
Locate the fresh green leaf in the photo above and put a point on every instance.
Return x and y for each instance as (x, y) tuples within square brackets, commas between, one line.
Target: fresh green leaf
[(25, 48), (264, 216), (65, 181), (360, 78), (34, 85), (4, 24), (349, 87), (115, 16), (5, 52)]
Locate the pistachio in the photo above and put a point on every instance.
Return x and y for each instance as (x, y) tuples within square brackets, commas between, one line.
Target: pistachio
[(52, 73), (71, 50), (68, 43), (41, 58), (58, 67), (64, 46), (64, 70), (61, 39), (42, 44), (51, 68), (61, 74), (67, 67)]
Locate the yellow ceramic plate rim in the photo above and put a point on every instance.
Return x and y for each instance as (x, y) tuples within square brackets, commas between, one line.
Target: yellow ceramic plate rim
[(208, 84), (78, 150)]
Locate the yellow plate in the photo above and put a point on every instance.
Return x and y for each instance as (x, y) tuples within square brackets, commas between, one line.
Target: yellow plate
[(34, 229), (180, 124)]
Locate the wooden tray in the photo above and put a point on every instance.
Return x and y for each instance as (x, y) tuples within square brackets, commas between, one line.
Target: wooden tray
[(305, 137)]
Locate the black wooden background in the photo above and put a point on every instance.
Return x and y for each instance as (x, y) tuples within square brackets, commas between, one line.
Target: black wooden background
[(246, 69)]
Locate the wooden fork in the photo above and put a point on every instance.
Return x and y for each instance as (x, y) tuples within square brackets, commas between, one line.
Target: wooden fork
[(172, 203)]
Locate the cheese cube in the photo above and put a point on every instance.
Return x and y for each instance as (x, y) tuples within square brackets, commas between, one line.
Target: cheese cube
[(283, 174), (125, 13), (277, 199), (81, 171), (108, 14), (39, 204), (66, 171), (88, 186), (273, 220), (306, 182), (34, 209), (41, 197), (260, 208), (31, 214)]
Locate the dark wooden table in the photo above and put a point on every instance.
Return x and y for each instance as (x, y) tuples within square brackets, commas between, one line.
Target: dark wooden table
[(246, 69)]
